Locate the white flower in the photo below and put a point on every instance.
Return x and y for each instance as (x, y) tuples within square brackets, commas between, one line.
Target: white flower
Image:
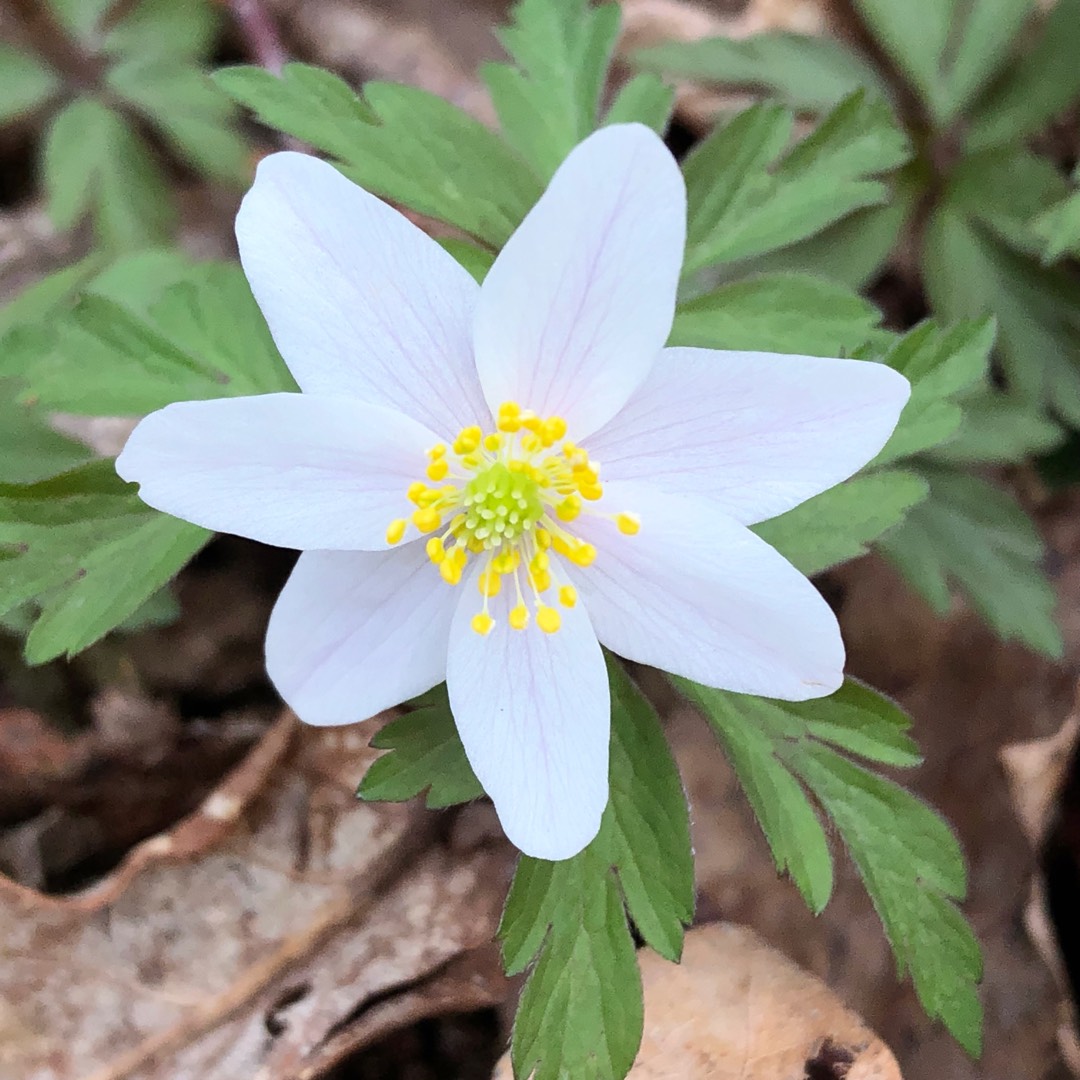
[(488, 482)]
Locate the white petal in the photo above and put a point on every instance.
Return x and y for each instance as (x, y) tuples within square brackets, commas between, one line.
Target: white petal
[(534, 714), (287, 469), (355, 632), (757, 432), (699, 595), (359, 300), (580, 301)]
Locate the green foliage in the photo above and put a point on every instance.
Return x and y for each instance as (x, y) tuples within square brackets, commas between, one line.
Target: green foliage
[(908, 858), (548, 99), (25, 83), (813, 73), (971, 532), (794, 313), (400, 142), (580, 1013), (842, 523), (427, 755), (747, 196), (29, 449), (949, 49), (1059, 228), (202, 337), (140, 70), (88, 552)]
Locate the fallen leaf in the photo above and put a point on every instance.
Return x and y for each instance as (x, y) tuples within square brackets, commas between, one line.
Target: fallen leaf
[(737, 1009)]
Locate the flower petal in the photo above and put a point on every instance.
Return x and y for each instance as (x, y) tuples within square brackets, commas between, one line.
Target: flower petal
[(580, 301), (354, 632), (699, 595), (757, 432), (534, 714), (359, 300), (287, 469)]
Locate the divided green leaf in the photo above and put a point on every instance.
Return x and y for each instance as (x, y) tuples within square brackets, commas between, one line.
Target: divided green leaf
[(25, 82), (88, 552), (810, 73), (746, 197), (580, 1013), (400, 142), (426, 755), (972, 533), (909, 860)]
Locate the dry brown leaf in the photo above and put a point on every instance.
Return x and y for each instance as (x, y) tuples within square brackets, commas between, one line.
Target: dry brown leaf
[(246, 941), (737, 1009), (1037, 771)]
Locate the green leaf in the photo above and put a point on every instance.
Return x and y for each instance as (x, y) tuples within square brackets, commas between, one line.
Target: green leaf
[(969, 273), (998, 428), (1004, 189), (581, 1013), (95, 163), (165, 29), (548, 100), (973, 533), (46, 296), (1059, 229), (29, 449), (401, 142), (949, 49), (792, 313), (1041, 84), (913, 869), (810, 73), (81, 17), (193, 114), (841, 523), (908, 858), (426, 755), (89, 552), (744, 202), (203, 338), (938, 364), (25, 82), (645, 99)]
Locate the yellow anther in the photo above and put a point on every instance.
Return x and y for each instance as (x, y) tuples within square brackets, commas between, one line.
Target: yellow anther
[(629, 524), (506, 562), (569, 449), (450, 571), (426, 497), (438, 469), (540, 561), (569, 508), (543, 539), (531, 443), (493, 441), (568, 596), (541, 580), (427, 518), (471, 461), (468, 440), (458, 556), (489, 583), (561, 545), (437, 451), (554, 428), (592, 492), (509, 418), (519, 617), (583, 555), (548, 619), (482, 623), (436, 552), (416, 491), (530, 421), (396, 530)]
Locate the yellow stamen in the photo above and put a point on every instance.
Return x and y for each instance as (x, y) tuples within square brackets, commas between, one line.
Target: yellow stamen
[(629, 524), (482, 623), (489, 583), (435, 549), (548, 619), (437, 451), (438, 469), (519, 617), (427, 519), (568, 596), (396, 530)]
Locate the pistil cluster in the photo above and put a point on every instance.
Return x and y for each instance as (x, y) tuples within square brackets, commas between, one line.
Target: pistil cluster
[(509, 497)]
